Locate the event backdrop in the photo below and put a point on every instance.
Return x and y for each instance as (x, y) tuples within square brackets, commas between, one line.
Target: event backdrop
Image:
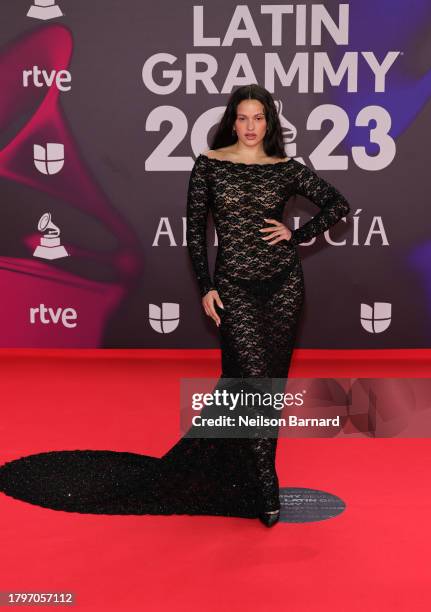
[(106, 104)]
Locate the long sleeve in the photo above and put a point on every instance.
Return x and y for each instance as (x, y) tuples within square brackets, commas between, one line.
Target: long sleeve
[(197, 215), (333, 205)]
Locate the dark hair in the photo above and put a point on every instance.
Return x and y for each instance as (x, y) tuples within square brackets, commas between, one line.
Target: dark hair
[(273, 140)]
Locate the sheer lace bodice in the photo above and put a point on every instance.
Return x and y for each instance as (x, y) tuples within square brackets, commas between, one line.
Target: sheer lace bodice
[(240, 196)]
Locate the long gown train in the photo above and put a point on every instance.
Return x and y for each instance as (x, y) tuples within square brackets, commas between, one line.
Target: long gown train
[(262, 290), (216, 476)]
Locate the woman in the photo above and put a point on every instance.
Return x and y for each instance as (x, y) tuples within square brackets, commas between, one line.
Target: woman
[(255, 300), (258, 290)]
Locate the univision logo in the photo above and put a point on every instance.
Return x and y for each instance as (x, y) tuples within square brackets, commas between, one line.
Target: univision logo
[(377, 318), (49, 160), (164, 320)]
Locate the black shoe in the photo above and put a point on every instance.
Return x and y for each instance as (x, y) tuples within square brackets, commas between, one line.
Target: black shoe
[(270, 518)]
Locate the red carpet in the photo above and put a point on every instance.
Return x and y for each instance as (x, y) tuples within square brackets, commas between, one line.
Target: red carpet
[(374, 556)]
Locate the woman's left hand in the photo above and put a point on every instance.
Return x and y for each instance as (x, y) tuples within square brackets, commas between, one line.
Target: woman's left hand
[(279, 232)]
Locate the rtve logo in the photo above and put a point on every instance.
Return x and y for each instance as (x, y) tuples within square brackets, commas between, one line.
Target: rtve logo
[(40, 78), (377, 318), (48, 315)]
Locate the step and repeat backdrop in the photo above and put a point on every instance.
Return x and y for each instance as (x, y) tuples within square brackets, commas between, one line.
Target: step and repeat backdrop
[(104, 107)]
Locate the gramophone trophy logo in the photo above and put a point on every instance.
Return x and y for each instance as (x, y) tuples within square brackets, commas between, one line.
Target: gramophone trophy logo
[(50, 246), (44, 9), (289, 131)]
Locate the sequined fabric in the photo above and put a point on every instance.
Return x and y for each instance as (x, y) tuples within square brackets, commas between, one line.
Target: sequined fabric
[(262, 289)]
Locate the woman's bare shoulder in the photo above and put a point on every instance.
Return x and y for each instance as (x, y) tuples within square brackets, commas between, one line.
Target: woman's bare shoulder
[(224, 154), (215, 153)]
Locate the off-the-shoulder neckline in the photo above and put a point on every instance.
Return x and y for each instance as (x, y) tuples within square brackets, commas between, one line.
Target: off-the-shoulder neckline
[(228, 161)]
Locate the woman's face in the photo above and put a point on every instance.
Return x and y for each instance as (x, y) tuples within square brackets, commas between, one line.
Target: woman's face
[(250, 124)]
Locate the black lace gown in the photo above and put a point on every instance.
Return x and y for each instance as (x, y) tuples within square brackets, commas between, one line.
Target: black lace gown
[(262, 290)]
